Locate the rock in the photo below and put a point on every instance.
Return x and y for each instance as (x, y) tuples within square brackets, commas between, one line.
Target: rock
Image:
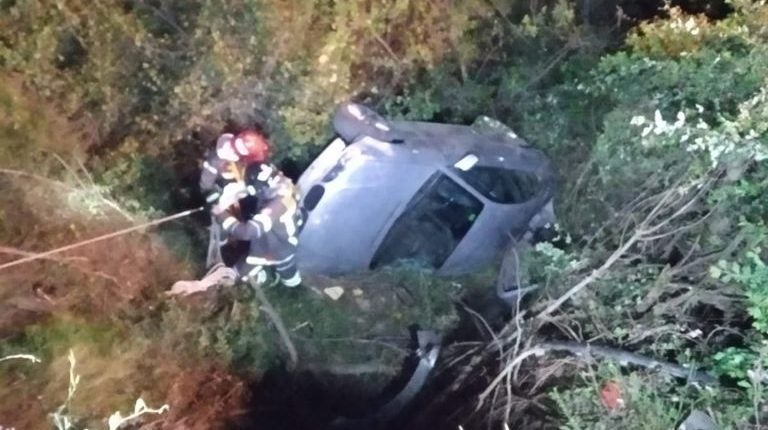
[(698, 420), (334, 292), (363, 304)]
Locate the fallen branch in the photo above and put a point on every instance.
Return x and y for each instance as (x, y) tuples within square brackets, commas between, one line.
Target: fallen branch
[(485, 324), (669, 206), (590, 352), (625, 357), (643, 231), (266, 306), (597, 273)]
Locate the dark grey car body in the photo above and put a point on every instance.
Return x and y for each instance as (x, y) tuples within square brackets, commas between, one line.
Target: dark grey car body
[(449, 196)]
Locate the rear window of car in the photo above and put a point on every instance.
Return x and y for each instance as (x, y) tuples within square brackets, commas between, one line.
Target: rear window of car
[(431, 227), (501, 185)]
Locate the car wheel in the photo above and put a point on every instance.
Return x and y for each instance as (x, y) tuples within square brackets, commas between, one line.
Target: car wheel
[(354, 121)]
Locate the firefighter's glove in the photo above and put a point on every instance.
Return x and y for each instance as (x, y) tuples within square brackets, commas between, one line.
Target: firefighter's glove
[(230, 195), (220, 214)]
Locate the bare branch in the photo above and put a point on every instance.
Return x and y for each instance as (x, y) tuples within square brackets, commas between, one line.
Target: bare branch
[(537, 350), (267, 307), (487, 326), (597, 273), (589, 352), (22, 174)]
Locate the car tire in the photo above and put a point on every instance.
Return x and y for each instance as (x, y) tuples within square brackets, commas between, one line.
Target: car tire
[(354, 121)]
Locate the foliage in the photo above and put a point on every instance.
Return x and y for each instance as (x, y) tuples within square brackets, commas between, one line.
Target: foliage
[(648, 402), (386, 304), (666, 118), (752, 275), (148, 74)]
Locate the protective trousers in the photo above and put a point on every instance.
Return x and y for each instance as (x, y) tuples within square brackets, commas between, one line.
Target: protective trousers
[(254, 268)]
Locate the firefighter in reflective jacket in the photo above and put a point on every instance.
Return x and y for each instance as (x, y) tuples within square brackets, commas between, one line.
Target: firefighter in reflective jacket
[(272, 231), (227, 163)]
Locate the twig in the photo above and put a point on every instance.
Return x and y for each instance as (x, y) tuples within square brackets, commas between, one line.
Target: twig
[(554, 60), (387, 48), (266, 306), (597, 273), (162, 15), (19, 173), (584, 170), (65, 260), (69, 169), (677, 200), (487, 326), (12, 172), (643, 230), (537, 350), (85, 171)]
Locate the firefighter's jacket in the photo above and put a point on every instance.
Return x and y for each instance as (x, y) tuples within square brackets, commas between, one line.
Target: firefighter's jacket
[(273, 230)]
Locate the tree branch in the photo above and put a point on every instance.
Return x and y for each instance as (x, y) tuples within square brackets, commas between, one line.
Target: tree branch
[(267, 307), (589, 352)]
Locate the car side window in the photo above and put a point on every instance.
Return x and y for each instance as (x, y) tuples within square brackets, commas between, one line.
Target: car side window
[(502, 185), (431, 227)]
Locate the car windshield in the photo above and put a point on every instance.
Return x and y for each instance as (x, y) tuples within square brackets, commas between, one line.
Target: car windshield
[(501, 185), (433, 224)]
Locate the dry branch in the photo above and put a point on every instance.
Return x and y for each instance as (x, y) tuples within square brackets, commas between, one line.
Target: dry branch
[(485, 324), (63, 260), (646, 229), (590, 352), (667, 207), (106, 201), (597, 273), (267, 307)]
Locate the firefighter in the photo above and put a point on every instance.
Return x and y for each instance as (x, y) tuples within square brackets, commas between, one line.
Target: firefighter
[(227, 163), (272, 231), (222, 177)]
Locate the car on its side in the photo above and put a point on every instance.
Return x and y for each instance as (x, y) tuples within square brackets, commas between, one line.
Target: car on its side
[(450, 197)]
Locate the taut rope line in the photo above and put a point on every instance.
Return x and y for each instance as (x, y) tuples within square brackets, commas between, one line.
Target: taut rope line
[(99, 238)]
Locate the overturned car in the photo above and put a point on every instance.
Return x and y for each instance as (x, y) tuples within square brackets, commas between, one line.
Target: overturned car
[(450, 197)]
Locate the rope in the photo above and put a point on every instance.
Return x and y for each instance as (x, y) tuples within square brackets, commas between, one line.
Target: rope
[(214, 245), (100, 238)]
